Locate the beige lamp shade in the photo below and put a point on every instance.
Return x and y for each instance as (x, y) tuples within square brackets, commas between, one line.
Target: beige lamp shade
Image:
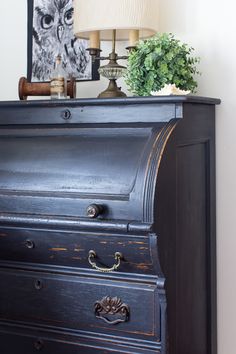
[(125, 16)]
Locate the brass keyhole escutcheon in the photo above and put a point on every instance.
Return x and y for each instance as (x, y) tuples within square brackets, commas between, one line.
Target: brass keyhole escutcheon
[(38, 344), (66, 114), (38, 284), (29, 244)]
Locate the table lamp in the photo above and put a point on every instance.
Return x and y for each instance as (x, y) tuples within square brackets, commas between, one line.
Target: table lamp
[(113, 20)]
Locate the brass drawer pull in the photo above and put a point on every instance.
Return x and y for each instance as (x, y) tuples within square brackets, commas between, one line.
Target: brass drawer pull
[(92, 255), (111, 310)]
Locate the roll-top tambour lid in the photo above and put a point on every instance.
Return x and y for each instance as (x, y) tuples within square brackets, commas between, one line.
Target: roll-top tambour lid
[(63, 171)]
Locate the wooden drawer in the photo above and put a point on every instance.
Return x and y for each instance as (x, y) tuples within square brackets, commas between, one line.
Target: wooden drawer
[(22, 344), (71, 249), (116, 308)]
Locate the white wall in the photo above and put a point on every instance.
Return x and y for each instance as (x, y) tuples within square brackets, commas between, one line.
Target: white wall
[(210, 27), (13, 45)]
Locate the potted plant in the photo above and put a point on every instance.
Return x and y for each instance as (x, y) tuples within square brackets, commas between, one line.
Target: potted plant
[(159, 61)]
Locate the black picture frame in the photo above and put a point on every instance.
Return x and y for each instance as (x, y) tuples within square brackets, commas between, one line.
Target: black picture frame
[(50, 32)]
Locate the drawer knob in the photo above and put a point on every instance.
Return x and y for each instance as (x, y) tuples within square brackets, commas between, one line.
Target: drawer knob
[(38, 344), (92, 255), (94, 210), (111, 310)]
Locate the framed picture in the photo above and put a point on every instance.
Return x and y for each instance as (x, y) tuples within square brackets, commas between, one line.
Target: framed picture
[(50, 33)]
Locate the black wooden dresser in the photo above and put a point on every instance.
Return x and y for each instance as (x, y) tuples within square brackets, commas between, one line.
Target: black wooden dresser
[(107, 226)]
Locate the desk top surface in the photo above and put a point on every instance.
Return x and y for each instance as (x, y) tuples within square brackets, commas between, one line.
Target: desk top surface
[(114, 101)]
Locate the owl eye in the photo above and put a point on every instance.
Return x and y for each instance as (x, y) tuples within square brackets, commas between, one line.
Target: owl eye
[(47, 21), (68, 17)]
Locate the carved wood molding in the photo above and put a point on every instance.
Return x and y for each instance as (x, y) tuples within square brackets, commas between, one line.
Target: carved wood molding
[(155, 160)]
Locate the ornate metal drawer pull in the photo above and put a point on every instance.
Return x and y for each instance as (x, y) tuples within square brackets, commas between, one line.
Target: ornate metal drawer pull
[(109, 308), (92, 255)]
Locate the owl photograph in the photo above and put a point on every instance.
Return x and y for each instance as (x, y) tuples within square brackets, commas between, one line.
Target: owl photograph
[(50, 34)]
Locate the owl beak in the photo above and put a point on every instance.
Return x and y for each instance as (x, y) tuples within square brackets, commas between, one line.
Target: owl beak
[(60, 31)]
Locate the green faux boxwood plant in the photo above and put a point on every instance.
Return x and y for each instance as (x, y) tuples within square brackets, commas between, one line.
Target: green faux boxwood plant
[(158, 61)]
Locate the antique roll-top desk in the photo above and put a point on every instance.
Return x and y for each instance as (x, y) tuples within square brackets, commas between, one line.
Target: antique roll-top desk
[(107, 226)]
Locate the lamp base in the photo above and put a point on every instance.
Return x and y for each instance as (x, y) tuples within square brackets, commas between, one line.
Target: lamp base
[(112, 91)]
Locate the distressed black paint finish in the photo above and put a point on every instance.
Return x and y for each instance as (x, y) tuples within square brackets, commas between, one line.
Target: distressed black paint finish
[(186, 213), (68, 249), (39, 342), (148, 164), (72, 302)]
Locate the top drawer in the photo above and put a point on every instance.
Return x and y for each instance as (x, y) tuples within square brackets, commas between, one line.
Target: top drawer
[(73, 249), (62, 171)]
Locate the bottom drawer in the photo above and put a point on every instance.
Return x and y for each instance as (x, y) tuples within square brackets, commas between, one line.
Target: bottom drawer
[(84, 304), (26, 344)]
